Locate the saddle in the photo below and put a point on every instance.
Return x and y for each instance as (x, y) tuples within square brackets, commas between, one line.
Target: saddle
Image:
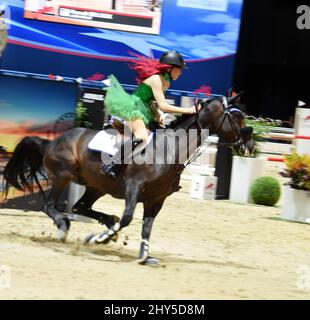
[(118, 125)]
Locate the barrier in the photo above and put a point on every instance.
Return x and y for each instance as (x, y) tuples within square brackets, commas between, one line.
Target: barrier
[(203, 187), (296, 205), (275, 159), (244, 171), (303, 137), (302, 130), (98, 84)]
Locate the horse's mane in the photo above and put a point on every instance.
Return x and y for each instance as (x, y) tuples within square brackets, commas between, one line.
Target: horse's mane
[(175, 124)]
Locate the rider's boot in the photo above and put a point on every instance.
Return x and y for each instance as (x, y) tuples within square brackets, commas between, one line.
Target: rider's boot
[(112, 169)]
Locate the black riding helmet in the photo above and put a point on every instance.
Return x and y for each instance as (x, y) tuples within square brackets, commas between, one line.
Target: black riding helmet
[(172, 57)]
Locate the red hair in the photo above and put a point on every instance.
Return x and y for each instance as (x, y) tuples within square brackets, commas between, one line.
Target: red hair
[(146, 67)]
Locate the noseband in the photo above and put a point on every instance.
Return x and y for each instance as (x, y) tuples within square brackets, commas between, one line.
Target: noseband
[(233, 123)]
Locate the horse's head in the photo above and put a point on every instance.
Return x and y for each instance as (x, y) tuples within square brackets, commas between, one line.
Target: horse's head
[(228, 124)]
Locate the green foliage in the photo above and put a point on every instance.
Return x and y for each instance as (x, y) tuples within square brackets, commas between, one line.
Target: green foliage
[(261, 127), (236, 152), (82, 116), (298, 170), (265, 190)]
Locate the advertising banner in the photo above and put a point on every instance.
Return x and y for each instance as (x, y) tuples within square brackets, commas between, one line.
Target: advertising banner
[(127, 15)]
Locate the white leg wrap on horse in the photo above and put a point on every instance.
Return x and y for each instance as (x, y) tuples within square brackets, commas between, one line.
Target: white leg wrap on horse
[(93, 239), (116, 227), (144, 251), (146, 243), (102, 237), (61, 235), (108, 234)]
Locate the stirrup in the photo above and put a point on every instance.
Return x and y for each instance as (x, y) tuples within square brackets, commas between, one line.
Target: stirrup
[(109, 170)]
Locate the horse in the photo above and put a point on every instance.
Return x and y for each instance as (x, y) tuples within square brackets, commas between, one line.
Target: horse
[(68, 158)]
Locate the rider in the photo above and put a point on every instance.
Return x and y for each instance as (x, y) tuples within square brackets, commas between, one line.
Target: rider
[(154, 78)]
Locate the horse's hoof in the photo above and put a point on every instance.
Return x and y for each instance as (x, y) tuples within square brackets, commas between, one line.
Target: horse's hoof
[(150, 262), (115, 237), (90, 239), (104, 238), (62, 235), (108, 235), (62, 229)]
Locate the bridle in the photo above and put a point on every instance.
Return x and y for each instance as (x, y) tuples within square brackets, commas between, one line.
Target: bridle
[(227, 115)]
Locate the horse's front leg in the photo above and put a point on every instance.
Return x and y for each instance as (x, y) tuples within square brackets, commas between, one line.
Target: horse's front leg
[(131, 198), (150, 212)]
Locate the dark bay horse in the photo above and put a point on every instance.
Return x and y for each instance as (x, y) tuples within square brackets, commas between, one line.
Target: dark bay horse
[(68, 158)]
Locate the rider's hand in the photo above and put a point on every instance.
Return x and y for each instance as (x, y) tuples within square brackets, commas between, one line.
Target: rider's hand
[(192, 110)]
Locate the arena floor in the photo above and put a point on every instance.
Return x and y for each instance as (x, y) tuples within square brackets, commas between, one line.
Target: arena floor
[(207, 249)]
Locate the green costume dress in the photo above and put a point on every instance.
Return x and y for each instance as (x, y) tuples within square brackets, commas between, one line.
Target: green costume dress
[(127, 106)]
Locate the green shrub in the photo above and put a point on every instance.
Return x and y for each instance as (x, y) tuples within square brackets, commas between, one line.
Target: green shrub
[(265, 191)]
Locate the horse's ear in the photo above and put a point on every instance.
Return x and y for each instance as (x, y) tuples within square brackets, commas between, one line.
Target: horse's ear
[(198, 101), (231, 100)]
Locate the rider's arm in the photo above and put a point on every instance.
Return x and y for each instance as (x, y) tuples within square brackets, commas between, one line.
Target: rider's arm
[(157, 87)]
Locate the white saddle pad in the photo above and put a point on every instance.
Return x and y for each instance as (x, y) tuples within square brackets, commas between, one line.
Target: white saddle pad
[(110, 144), (104, 142)]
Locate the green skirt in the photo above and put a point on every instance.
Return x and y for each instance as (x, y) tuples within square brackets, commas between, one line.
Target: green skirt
[(127, 106)]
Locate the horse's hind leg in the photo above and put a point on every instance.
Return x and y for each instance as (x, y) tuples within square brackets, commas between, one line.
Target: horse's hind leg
[(59, 183), (84, 208)]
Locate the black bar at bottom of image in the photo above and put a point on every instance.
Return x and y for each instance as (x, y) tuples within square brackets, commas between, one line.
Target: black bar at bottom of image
[(161, 309)]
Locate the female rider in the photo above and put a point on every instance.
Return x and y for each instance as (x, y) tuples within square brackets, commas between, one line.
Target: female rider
[(154, 78)]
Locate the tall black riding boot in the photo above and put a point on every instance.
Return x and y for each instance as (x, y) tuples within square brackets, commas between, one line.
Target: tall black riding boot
[(112, 169)]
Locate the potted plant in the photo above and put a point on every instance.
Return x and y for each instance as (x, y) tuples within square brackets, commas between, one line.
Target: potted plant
[(246, 168), (296, 193), (81, 116)]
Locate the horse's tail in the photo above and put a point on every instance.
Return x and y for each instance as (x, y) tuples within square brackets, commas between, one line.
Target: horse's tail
[(25, 164)]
